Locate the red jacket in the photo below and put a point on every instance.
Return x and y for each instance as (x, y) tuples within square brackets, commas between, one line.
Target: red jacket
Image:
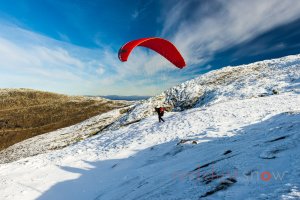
[(162, 109)]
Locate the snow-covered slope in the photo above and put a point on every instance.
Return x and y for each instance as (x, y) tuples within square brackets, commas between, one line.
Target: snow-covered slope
[(240, 139), (262, 78)]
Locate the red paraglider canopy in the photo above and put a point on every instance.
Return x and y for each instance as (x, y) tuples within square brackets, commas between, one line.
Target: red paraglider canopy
[(161, 46)]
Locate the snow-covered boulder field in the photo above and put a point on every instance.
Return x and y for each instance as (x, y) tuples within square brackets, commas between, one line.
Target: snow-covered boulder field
[(233, 133)]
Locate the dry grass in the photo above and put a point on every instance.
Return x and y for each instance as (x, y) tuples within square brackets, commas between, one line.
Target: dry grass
[(26, 113)]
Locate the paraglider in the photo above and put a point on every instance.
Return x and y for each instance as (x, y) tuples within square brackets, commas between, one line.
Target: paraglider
[(160, 45)]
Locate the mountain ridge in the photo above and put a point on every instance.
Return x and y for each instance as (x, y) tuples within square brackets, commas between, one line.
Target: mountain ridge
[(216, 86), (26, 112)]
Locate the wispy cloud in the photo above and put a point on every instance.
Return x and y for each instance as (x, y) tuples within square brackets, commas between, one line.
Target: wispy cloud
[(203, 29), (32, 60), (142, 7), (64, 37), (200, 29), (135, 14), (39, 60)]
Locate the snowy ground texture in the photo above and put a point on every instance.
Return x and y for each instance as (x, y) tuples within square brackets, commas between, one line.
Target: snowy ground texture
[(237, 137)]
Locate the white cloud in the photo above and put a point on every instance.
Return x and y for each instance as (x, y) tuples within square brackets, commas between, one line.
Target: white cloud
[(201, 28), (31, 60), (100, 70), (235, 21)]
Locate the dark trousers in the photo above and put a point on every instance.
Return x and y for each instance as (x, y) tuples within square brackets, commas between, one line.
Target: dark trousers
[(160, 119)]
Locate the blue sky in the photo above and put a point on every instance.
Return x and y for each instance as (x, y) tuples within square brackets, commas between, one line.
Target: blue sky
[(71, 46)]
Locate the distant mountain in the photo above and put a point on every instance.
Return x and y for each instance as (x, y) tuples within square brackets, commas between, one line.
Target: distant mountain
[(126, 98)]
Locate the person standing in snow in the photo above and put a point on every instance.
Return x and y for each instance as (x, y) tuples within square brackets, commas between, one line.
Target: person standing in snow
[(160, 112)]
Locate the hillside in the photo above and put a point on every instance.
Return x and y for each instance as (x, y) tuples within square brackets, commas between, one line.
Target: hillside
[(26, 113), (260, 79), (232, 133)]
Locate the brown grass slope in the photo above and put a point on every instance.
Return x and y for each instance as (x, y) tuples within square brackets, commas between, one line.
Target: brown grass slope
[(25, 113)]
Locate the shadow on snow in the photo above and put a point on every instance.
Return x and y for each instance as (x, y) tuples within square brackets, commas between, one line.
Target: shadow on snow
[(154, 172)]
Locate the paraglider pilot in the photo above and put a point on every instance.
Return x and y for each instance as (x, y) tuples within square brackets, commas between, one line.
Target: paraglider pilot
[(160, 112)]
